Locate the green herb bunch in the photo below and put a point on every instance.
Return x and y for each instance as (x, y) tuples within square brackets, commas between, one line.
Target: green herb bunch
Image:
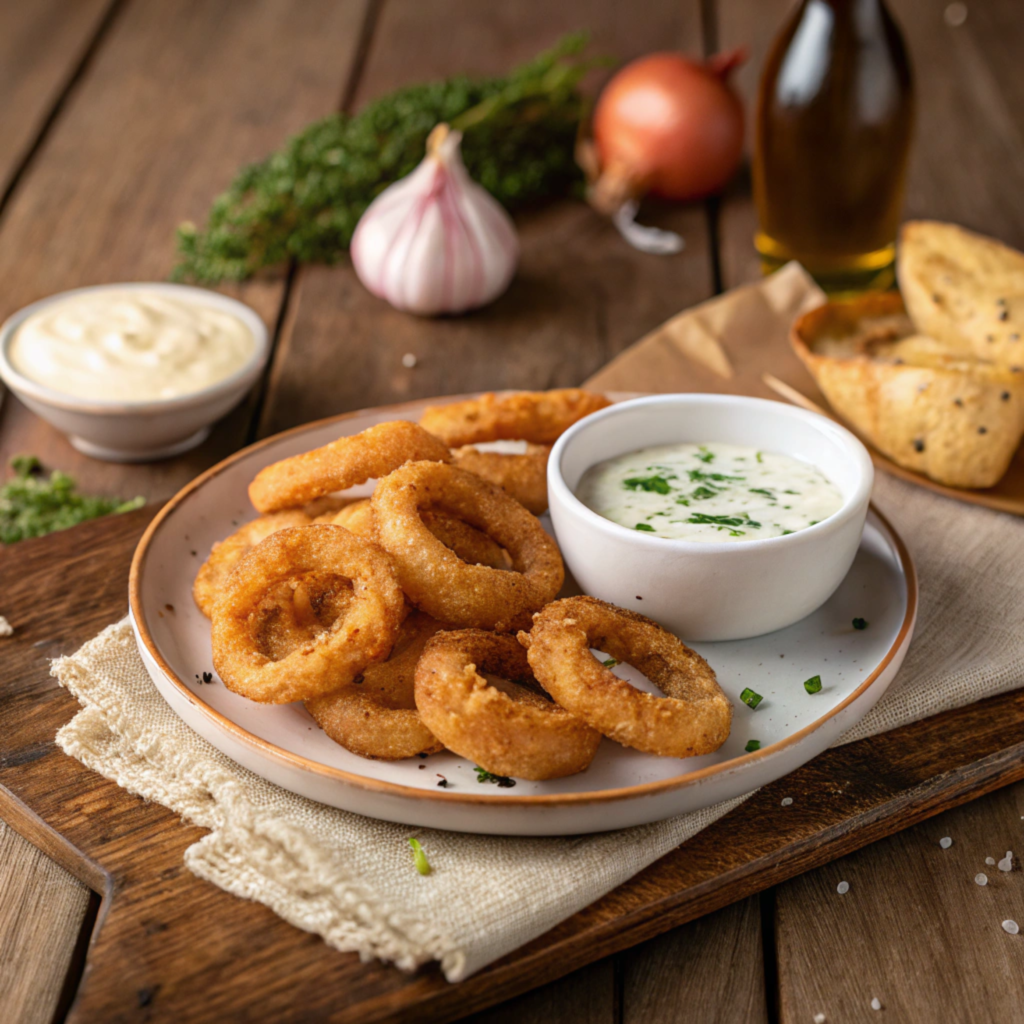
[(32, 505), (304, 202)]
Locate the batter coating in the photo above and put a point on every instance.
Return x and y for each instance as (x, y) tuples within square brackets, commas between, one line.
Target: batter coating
[(345, 611), (695, 716), (523, 475), (515, 732), (344, 463), (536, 416), (377, 717), (434, 578)]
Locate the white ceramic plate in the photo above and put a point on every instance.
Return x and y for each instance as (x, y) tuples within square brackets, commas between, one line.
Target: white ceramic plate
[(622, 787)]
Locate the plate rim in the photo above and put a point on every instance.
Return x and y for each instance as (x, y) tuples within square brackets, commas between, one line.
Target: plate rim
[(297, 761)]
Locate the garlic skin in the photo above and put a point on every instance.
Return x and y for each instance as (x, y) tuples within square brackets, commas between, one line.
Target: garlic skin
[(436, 242)]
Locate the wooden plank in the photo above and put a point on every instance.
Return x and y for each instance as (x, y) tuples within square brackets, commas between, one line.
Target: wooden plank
[(42, 45), (42, 908), (914, 931), (967, 163), (147, 945), (581, 294), (179, 96), (710, 971)]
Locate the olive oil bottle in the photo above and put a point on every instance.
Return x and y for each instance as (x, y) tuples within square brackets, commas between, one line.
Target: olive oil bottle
[(833, 125)]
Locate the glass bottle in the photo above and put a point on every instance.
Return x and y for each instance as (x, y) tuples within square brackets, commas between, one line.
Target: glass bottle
[(833, 125)]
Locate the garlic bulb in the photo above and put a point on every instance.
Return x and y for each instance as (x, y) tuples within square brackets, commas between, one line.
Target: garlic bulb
[(436, 242)]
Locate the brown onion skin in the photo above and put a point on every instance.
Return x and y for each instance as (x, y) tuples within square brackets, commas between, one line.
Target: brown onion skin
[(673, 126)]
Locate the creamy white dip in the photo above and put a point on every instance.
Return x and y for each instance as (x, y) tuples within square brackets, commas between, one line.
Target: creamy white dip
[(130, 345), (709, 492)]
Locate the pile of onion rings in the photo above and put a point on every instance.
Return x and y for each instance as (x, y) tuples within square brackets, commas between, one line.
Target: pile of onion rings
[(425, 617)]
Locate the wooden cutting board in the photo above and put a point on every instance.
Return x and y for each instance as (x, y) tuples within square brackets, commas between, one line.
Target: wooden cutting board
[(166, 946)]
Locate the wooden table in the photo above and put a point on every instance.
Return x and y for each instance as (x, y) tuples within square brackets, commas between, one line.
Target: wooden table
[(123, 117)]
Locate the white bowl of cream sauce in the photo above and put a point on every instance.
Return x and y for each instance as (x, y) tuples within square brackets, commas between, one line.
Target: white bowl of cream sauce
[(133, 372), (720, 517)]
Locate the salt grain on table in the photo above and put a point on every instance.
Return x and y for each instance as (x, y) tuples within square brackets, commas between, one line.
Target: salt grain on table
[(990, 860), (409, 360), (1011, 927), (842, 888), (6, 629), (786, 801), (819, 1018), (876, 1004), (981, 879), (1006, 864), (945, 842)]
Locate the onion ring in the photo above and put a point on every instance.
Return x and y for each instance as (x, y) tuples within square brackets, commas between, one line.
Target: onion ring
[(355, 610), (226, 554), (536, 416), (378, 718), (523, 475), (516, 732), (695, 716), (342, 464), (434, 578)]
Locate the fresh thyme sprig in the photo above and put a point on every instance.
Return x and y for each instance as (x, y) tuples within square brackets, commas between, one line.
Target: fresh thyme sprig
[(303, 202)]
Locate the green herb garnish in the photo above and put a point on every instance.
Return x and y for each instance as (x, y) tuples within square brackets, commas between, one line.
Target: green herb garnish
[(813, 685), (656, 484), (702, 493), (860, 623), (704, 455), (750, 698), (32, 505), (758, 456), (762, 490), (610, 662), (645, 527), (303, 202), (702, 519), (699, 474), (419, 858), (752, 745), (501, 781)]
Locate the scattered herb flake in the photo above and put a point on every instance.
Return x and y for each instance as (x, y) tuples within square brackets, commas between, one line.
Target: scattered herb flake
[(750, 698), (705, 456), (759, 458), (645, 527), (699, 474), (653, 484), (752, 745), (762, 490), (610, 662), (813, 685), (32, 505), (860, 623), (501, 781), (419, 858), (442, 781)]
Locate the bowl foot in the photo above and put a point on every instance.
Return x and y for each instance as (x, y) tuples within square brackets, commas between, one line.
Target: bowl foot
[(97, 451)]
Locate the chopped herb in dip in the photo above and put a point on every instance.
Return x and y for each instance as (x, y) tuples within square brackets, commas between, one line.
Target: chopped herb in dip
[(739, 497)]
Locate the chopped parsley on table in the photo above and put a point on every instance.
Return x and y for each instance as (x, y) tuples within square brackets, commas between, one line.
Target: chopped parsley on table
[(860, 623), (419, 858), (813, 685), (32, 505), (752, 745)]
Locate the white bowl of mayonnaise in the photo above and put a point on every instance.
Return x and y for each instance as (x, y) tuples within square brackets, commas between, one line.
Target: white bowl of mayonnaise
[(719, 516), (133, 372)]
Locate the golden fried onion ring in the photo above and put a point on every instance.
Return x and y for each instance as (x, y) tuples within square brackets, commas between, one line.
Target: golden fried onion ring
[(226, 554), (695, 716), (535, 416), (524, 475), (434, 578), (346, 632), (377, 717), (515, 733), (342, 464)]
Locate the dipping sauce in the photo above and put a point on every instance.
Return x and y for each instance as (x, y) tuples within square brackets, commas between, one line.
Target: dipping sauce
[(709, 492), (130, 345)]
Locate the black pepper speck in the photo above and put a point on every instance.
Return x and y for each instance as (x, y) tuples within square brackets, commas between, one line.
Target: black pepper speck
[(959, 402), (982, 430), (918, 445), (1005, 396)]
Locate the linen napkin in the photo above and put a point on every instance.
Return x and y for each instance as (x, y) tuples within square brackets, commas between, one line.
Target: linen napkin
[(350, 879)]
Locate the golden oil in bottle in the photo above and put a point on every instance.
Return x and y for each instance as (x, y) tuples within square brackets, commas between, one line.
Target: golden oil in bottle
[(833, 125)]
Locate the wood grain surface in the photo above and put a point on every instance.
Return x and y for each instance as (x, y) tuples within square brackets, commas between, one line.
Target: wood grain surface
[(147, 946), (239, 78)]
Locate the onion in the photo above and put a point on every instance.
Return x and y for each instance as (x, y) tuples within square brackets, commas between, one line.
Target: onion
[(669, 127)]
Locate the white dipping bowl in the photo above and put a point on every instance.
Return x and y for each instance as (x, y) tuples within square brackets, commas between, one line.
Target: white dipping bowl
[(138, 431), (710, 591)]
